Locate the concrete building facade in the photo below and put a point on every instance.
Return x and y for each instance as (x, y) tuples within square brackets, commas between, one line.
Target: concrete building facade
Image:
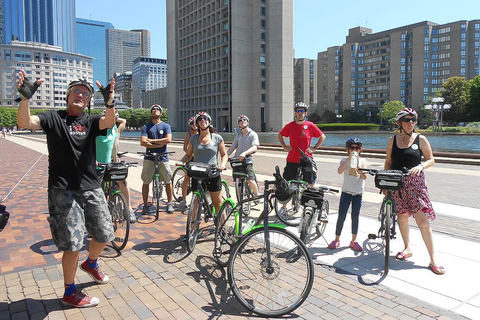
[(230, 58), (148, 74), (305, 82), (409, 63), (57, 67)]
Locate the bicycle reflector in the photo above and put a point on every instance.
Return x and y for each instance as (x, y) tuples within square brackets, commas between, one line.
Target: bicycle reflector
[(4, 215)]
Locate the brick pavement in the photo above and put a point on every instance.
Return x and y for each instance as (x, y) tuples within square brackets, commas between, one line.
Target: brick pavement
[(153, 278)]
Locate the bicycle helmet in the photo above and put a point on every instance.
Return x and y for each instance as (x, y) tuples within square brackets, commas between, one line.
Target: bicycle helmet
[(241, 117), (156, 106), (353, 140), (405, 111), (80, 82), (284, 191), (202, 113), (191, 121), (300, 105)]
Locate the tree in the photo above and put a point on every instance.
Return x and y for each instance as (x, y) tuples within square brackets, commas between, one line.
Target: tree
[(390, 110), (455, 93), (473, 99)]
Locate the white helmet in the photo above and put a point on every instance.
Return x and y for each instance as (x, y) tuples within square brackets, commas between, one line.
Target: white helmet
[(405, 111)]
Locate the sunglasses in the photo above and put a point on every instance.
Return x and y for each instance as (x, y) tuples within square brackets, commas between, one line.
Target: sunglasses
[(202, 119), (85, 94), (300, 111), (155, 109), (409, 120), (354, 148)]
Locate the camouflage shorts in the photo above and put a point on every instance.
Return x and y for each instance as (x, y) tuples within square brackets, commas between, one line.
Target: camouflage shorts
[(71, 212)]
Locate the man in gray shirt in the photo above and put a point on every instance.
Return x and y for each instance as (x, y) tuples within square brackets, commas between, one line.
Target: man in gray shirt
[(245, 144)]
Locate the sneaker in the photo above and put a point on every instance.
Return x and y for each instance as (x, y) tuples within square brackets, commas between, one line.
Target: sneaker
[(146, 209), (170, 208), (334, 245), (133, 217), (96, 273), (355, 246), (80, 299)]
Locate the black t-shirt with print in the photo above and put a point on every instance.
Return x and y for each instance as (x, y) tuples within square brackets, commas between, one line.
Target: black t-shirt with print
[(71, 148)]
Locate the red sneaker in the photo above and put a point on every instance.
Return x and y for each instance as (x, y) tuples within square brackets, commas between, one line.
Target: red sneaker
[(80, 299), (96, 273)]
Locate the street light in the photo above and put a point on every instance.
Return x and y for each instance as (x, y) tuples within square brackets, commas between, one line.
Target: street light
[(437, 106), (339, 117)]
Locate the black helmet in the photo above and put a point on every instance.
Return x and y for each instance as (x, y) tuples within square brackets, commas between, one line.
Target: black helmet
[(353, 140)]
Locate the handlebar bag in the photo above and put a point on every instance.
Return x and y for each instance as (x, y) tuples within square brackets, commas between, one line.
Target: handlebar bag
[(311, 198), (199, 170), (116, 171), (389, 179), (239, 168)]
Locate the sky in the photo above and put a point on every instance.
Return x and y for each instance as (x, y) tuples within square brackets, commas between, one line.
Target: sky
[(318, 24)]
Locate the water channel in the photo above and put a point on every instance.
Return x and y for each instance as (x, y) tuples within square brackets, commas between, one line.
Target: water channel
[(371, 140)]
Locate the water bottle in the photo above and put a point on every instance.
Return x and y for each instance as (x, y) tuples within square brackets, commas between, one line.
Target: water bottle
[(249, 224), (354, 160)]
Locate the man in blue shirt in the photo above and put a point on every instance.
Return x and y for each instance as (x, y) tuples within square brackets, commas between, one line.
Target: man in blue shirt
[(155, 137)]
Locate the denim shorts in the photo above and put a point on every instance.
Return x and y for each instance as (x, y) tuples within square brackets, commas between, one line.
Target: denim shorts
[(73, 212)]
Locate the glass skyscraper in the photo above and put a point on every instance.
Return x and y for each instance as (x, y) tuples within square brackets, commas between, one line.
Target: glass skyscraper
[(45, 21), (91, 42)]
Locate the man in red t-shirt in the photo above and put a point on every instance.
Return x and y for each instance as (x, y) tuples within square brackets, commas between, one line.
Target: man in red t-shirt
[(300, 131)]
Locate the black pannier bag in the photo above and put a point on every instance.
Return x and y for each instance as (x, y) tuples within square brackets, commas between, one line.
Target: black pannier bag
[(238, 168), (312, 198), (199, 170), (116, 171), (389, 179)]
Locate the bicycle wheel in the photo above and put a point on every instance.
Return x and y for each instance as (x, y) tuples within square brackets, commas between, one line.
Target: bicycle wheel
[(193, 221), (243, 192), (275, 290), (386, 232), (225, 190), (156, 194), (290, 213), (226, 229), (306, 223), (120, 221), (322, 218), (178, 177)]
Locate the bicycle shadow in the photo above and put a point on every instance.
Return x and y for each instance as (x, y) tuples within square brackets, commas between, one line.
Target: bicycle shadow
[(172, 250)]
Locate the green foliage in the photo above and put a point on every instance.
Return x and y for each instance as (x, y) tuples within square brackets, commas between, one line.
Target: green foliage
[(390, 110), (455, 93), (8, 117), (473, 102), (348, 126)]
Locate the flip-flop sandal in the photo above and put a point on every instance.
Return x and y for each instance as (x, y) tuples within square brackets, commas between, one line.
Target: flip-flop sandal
[(437, 269), (403, 256)]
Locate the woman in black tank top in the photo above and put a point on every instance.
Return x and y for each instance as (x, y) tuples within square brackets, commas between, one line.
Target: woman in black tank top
[(405, 150)]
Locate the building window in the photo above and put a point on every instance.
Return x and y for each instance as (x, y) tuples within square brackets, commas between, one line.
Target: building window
[(262, 60)]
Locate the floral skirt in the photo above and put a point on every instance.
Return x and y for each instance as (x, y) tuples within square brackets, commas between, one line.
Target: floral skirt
[(414, 197)]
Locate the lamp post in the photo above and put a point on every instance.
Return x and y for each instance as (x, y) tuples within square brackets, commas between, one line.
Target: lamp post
[(339, 117), (437, 106)]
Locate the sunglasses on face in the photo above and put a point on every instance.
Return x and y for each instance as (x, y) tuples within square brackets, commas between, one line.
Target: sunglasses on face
[(155, 109), (300, 111), (409, 120), (202, 119), (85, 94), (354, 148)]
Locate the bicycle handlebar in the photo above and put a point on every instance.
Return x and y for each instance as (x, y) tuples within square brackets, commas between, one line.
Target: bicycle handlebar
[(373, 172), (155, 154)]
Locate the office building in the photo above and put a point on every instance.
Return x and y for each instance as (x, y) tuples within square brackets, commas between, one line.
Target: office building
[(156, 96), (148, 74), (91, 41), (57, 67), (49, 21), (230, 58), (123, 87), (305, 82), (408, 63), (123, 47)]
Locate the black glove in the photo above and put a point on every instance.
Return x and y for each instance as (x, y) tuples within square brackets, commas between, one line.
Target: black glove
[(109, 101), (27, 89)]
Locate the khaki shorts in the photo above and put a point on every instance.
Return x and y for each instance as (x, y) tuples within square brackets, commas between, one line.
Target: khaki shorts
[(71, 212), (149, 170)]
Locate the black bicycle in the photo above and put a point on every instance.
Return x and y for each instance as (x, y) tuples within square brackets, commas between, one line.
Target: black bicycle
[(158, 184), (242, 189), (388, 180)]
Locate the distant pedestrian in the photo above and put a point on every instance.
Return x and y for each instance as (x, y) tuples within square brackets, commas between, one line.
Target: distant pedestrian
[(75, 199), (405, 150), (4, 132), (352, 191)]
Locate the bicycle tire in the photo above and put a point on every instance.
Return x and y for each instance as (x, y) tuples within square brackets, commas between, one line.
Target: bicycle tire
[(156, 194), (386, 235), (225, 190), (322, 218), (178, 177), (292, 214), (274, 292), (193, 221), (243, 192), (307, 217), (120, 221), (226, 231)]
